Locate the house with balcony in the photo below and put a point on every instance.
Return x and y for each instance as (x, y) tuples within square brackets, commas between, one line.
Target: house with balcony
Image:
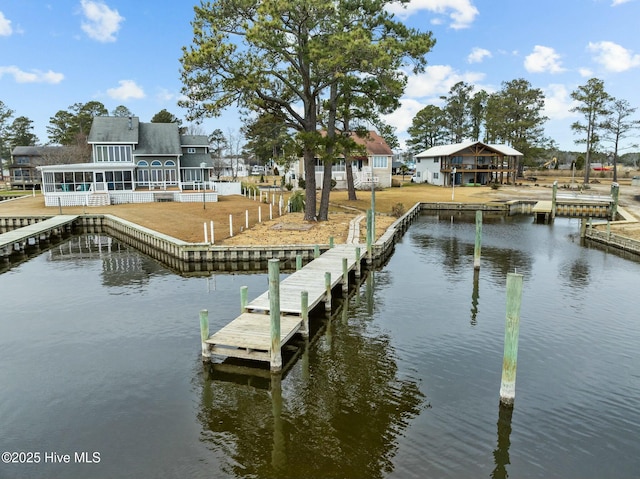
[(25, 160), (473, 162), (372, 166), (134, 162)]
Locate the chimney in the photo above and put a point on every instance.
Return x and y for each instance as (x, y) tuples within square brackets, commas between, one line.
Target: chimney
[(130, 123)]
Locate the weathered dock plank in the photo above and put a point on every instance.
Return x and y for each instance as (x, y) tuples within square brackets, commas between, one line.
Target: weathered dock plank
[(249, 336)]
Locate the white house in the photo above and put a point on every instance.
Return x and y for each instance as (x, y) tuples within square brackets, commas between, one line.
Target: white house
[(471, 162), (373, 166)]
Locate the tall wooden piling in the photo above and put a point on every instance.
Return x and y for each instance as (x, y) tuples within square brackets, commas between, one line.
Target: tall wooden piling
[(358, 262), (327, 286), (204, 333), (554, 197), (274, 313), (244, 290), (615, 192), (476, 249), (345, 275), (369, 236), (298, 262), (511, 331), (304, 312)]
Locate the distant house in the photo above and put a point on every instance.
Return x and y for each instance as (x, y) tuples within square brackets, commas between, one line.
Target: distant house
[(372, 167), (467, 163), (134, 162), (25, 160), (22, 169)]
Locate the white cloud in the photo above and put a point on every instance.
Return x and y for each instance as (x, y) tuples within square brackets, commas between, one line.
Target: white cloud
[(477, 55), (614, 57), (126, 91), (615, 3), (438, 80), (543, 59), (461, 12), (585, 72), (401, 118), (558, 102), (35, 76), (102, 23), (5, 26)]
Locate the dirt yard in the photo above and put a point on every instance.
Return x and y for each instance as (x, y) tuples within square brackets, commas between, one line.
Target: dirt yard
[(186, 221)]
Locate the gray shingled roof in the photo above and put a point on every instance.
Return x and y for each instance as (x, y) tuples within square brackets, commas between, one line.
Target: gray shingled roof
[(194, 140), (114, 129), (159, 139)]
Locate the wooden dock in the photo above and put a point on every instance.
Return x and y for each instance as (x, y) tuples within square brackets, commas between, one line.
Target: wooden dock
[(542, 211), (16, 240), (249, 335)]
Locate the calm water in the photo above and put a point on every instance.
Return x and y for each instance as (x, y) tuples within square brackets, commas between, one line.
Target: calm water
[(100, 353)]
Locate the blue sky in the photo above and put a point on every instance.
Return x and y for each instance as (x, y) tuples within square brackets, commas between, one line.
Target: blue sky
[(121, 52)]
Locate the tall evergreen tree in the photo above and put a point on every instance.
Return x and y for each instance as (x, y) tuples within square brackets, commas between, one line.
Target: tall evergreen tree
[(428, 129), (594, 107), (284, 56), (617, 126), (20, 133), (457, 111)]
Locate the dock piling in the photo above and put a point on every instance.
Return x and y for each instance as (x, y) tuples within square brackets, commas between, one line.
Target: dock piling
[(511, 332), (304, 313), (476, 250), (274, 313), (204, 333), (298, 262), (358, 260), (244, 293), (345, 275), (327, 285)]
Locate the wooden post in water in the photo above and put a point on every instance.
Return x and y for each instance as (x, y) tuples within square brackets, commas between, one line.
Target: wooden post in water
[(316, 251), (476, 250), (369, 236), (615, 192), (204, 333), (553, 199), (244, 290), (583, 227), (327, 286), (358, 262), (511, 331), (345, 275), (298, 262), (274, 313), (304, 312)]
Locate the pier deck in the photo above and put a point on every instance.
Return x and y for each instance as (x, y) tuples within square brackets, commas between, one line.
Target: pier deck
[(15, 240), (249, 335)]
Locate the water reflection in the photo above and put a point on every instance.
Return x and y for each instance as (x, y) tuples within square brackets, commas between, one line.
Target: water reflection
[(501, 453), (336, 413), (475, 296)]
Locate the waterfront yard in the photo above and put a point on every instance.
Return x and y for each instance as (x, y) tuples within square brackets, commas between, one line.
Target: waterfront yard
[(185, 220)]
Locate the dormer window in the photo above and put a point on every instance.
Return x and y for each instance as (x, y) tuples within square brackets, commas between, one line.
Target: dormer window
[(191, 149)]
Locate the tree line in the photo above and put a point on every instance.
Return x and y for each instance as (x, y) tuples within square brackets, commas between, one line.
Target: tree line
[(513, 116)]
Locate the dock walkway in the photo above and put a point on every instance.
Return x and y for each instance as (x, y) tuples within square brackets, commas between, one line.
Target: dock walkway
[(249, 335), (16, 240)]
